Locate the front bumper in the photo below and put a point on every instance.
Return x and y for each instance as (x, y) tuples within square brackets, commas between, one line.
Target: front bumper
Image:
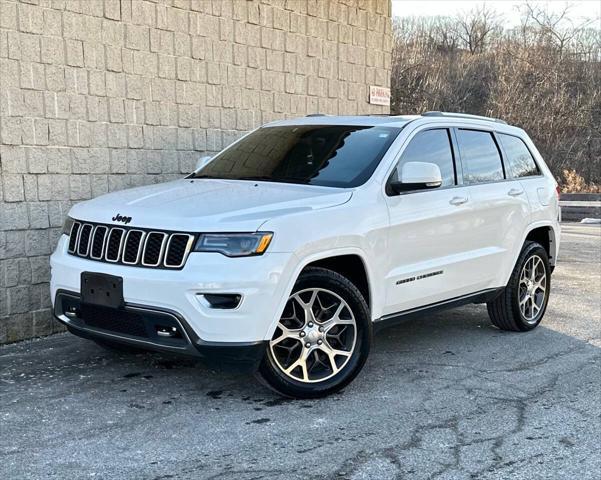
[(261, 281), (138, 326)]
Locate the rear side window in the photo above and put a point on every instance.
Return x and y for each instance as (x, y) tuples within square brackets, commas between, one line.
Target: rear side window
[(480, 157), (432, 146), (519, 158)]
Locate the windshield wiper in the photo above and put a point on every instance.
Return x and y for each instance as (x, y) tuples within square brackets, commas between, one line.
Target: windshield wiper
[(193, 177), (265, 178)]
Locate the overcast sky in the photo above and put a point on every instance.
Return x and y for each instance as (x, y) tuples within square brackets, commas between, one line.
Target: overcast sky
[(508, 8)]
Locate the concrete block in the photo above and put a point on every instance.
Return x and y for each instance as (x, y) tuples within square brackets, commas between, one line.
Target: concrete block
[(42, 323), (10, 131), (137, 37), (13, 159), (117, 135), (74, 52), (37, 242), (116, 110), (99, 185), (112, 9), (30, 183), (38, 215), (12, 186), (40, 269), (53, 50)]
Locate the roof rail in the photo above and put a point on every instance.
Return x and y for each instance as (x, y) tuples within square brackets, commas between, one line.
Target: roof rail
[(462, 115), (317, 115)]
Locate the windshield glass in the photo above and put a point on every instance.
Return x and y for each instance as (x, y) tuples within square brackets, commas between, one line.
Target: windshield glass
[(325, 155)]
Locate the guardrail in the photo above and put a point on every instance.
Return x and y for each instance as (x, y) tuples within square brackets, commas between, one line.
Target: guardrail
[(577, 206)]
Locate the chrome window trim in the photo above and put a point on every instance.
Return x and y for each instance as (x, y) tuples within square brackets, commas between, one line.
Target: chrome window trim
[(186, 251), (161, 251), (120, 245), (140, 246), (101, 257)]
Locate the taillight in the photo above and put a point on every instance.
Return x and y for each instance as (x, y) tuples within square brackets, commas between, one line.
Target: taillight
[(558, 191)]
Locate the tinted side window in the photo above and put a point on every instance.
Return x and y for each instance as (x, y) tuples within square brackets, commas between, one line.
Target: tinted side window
[(431, 146), (480, 156), (520, 160)]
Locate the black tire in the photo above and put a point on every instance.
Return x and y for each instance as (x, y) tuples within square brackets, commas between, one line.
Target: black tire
[(504, 311), (271, 374), (119, 347)]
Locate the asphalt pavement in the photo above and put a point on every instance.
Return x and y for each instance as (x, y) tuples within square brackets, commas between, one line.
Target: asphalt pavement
[(446, 396)]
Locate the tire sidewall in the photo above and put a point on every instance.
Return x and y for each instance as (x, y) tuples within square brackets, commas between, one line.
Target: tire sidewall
[(322, 278), (529, 251)]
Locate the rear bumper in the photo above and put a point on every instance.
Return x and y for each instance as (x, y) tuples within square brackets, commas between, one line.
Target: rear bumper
[(137, 325)]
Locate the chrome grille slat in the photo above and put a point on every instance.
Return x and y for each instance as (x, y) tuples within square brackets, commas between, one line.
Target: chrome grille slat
[(130, 246), (115, 240), (98, 242), (73, 237), (130, 242), (176, 250), (151, 243), (83, 241)]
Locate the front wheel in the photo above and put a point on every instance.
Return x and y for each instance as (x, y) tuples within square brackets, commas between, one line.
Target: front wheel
[(322, 339), (521, 305)]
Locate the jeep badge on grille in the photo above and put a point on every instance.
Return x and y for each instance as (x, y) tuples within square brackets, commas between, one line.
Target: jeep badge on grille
[(121, 218)]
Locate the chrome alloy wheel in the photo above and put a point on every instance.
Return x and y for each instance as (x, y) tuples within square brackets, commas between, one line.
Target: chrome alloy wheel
[(315, 336), (532, 288)]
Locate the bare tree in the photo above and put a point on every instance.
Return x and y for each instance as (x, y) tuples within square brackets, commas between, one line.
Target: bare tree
[(544, 75), (475, 27)]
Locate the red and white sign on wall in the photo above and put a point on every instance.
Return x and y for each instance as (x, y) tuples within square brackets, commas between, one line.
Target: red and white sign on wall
[(379, 95)]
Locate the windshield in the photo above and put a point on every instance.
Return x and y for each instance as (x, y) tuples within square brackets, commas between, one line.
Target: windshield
[(325, 155)]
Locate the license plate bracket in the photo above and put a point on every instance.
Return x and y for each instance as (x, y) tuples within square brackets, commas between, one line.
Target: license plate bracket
[(102, 289)]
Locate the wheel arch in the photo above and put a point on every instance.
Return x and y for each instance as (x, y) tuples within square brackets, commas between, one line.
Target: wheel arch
[(350, 266), (331, 259), (545, 235)]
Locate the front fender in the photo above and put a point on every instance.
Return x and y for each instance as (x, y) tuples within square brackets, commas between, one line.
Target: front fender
[(306, 259)]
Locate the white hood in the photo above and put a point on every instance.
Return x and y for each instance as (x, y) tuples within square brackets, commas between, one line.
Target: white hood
[(206, 205)]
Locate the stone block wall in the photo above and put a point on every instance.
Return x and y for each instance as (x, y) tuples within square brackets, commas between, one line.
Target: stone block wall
[(101, 95)]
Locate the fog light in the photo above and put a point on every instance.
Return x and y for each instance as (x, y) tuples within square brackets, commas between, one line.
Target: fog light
[(223, 301)]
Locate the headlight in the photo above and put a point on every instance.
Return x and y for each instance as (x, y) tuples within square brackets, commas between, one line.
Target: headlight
[(67, 226), (234, 244)]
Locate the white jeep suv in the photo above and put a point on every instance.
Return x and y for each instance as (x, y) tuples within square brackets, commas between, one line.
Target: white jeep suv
[(287, 249)]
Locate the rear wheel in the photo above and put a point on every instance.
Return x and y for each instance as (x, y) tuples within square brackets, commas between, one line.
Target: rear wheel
[(322, 339), (522, 304)]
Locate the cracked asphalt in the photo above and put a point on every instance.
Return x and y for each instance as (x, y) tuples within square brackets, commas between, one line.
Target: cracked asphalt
[(446, 396)]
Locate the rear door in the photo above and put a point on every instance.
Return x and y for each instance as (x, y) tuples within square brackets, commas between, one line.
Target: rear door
[(499, 206), (430, 230), (521, 166)]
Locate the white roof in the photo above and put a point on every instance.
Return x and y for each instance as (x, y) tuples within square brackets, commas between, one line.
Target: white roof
[(363, 120), (451, 119)]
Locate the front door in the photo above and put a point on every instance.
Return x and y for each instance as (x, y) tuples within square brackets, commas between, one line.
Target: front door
[(430, 235)]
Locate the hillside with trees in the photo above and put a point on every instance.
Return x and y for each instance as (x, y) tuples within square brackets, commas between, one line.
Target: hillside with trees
[(543, 75)]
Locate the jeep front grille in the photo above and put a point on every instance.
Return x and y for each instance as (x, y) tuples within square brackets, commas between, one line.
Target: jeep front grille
[(130, 246)]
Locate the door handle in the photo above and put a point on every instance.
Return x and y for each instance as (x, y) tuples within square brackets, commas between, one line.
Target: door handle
[(458, 200), (514, 192)]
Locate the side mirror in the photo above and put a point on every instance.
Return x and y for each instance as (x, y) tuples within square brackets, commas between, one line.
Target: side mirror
[(202, 161), (417, 176)]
